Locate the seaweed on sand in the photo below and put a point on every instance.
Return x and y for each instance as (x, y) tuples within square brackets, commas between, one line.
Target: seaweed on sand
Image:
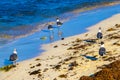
[(69, 58), (57, 66), (110, 72), (72, 64), (78, 40), (111, 29), (39, 64), (117, 25), (118, 44), (78, 47), (7, 68), (113, 36), (32, 67), (85, 78), (63, 76), (37, 59), (35, 72)]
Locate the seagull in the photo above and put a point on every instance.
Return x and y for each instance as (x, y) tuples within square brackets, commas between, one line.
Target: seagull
[(58, 22), (13, 56), (102, 49), (99, 34), (50, 27)]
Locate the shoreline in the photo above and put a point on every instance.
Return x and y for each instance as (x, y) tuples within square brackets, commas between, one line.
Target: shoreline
[(90, 31), (21, 43), (61, 57)]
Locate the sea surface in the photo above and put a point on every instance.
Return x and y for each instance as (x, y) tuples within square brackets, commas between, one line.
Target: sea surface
[(18, 17), (18, 14)]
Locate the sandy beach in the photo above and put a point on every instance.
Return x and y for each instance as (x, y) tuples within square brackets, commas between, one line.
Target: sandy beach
[(55, 63)]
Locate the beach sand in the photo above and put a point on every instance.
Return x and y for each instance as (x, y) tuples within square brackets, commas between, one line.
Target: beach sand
[(71, 58)]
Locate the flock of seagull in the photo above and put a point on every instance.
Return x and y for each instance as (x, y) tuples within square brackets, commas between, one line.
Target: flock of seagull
[(102, 50), (13, 57), (50, 28)]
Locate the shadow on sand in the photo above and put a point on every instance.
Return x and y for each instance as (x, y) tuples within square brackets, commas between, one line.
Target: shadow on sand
[(90, 57)]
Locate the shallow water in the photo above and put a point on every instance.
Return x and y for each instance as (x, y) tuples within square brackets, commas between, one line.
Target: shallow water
[(28, 47)]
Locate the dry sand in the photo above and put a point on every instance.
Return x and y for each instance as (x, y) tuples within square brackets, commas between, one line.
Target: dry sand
[(70, 59)]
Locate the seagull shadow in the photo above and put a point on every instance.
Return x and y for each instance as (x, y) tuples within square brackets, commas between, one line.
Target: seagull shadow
[(90, 41), (7, 62), (90, 57)]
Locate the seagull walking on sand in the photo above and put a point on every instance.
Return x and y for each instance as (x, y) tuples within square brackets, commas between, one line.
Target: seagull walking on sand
[(102, 49), (13, 56), (99, 34)]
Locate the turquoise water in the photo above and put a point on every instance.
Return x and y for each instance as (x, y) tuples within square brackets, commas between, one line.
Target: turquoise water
[(27, 13), (29, 46)]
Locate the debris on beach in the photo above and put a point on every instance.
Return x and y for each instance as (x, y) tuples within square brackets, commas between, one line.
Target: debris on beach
[(63, 76), (32, 67), (111, 29), (7, 68), (34, 72), (43, 38), (57, 67), (37, 59), (39, 64), (109, 72), (55, 46), (117, 25), (72, 65)]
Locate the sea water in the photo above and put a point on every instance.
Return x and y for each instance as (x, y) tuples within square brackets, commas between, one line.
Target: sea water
[(18, 15)]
